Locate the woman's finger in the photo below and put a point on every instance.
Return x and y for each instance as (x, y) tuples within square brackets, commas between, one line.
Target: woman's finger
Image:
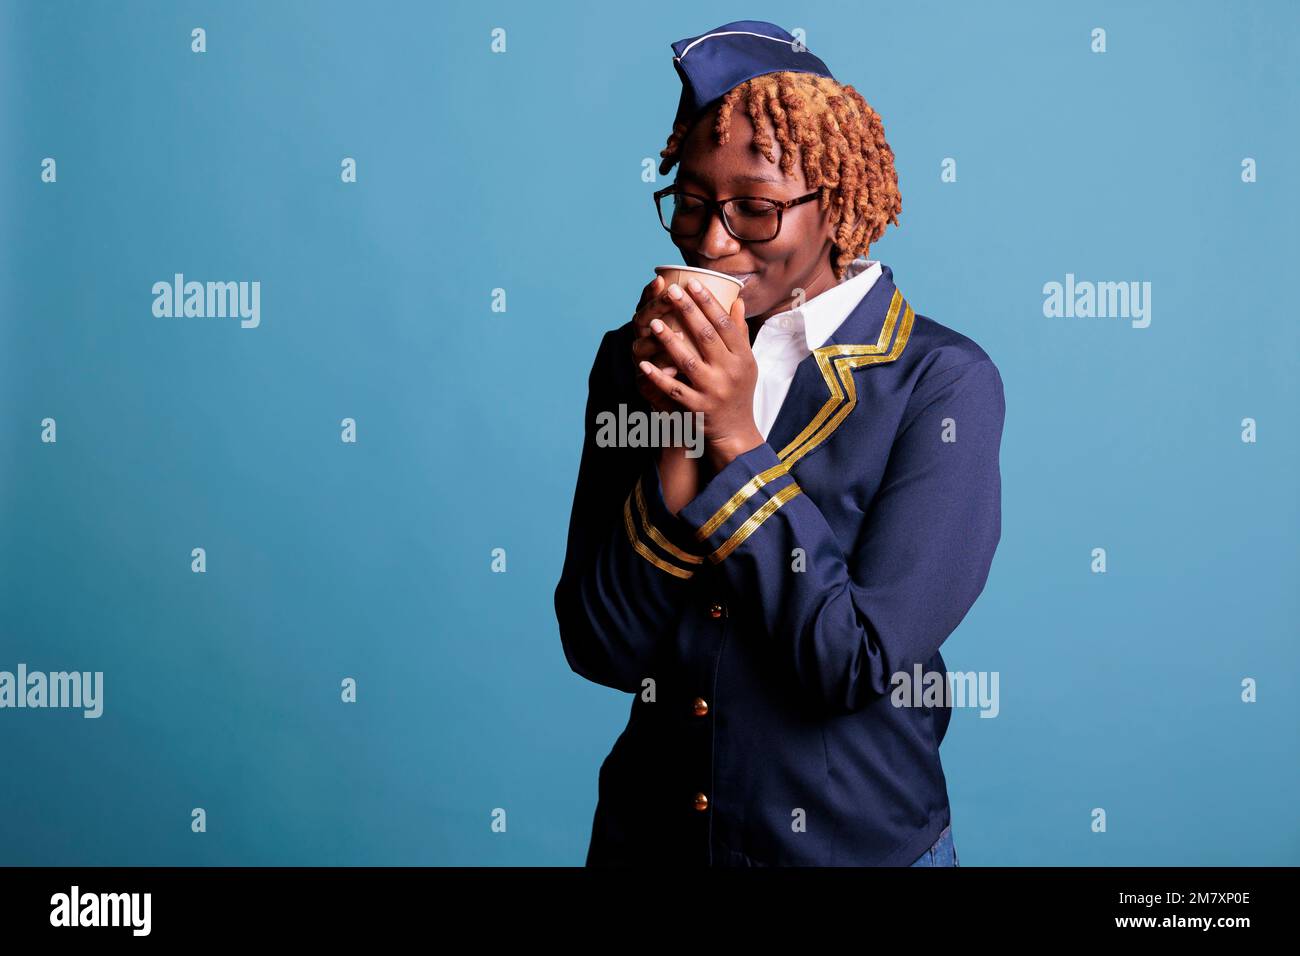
[(701, 329), (673, 388), (669, 370), (723, 320), (652, 289), (645, 347), (683, 354), (650, 346), (650, 305), (654, 395), (732, 327)]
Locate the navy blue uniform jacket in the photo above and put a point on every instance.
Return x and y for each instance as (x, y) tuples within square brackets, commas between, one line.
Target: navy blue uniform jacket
[(758, 629)]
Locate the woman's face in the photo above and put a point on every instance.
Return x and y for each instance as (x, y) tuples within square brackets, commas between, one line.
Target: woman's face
[(798, 258)]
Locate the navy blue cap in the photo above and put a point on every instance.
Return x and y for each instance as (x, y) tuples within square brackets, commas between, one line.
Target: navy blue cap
[(713, 63)]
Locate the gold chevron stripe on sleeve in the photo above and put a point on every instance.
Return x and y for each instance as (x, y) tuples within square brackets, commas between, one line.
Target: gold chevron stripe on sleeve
[(752, 523), (739, 498), (658, 536), (645, 552)]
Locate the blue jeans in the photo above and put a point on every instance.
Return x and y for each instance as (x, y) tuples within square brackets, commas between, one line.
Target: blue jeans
[(943, 853)]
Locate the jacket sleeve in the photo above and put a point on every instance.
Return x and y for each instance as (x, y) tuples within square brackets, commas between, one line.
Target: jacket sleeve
[(629, 560), (848, 621)]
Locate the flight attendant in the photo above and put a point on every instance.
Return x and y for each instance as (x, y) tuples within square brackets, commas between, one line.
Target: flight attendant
[(769, 604)]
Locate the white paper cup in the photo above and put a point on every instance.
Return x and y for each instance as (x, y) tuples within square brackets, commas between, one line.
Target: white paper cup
[(721, 286)]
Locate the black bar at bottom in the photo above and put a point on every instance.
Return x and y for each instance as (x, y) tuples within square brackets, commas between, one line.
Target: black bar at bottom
[(204, 905)]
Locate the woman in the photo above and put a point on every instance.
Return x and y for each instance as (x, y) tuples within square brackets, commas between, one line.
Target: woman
[(771, 603)]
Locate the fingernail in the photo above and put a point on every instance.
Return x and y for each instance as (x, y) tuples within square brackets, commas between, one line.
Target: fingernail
[(646, 367), (675, 291), (694, 285), (656, 325)]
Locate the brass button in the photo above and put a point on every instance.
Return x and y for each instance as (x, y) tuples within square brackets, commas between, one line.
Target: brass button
[(701, 706), (717, 610), (701, 802)]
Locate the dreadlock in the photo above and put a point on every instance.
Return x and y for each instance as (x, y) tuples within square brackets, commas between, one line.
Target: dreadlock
[(841, 140)]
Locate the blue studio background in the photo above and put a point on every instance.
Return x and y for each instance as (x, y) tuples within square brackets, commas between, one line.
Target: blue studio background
[(522, 171)]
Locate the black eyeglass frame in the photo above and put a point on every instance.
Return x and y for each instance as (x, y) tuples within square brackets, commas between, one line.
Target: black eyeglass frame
[(716, 205)]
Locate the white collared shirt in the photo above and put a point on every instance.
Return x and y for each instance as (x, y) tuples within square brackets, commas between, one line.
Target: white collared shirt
[(787, 338)]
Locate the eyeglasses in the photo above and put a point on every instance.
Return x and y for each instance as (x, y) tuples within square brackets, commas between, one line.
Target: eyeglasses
[(746, 218)]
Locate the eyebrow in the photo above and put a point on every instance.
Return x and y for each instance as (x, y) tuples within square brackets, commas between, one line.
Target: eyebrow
[(739, 177)]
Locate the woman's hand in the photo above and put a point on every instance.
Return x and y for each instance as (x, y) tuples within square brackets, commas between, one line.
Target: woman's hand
[(679, 475), (646, 346), (717, 370)]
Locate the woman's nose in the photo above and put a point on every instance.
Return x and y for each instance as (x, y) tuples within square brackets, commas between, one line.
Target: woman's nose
[(716, 241)]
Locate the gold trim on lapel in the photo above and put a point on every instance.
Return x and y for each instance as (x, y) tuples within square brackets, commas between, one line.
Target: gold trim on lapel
[(836, 363), (845, 366)]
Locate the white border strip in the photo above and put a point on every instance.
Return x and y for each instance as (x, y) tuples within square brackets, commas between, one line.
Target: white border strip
[(730, 33)]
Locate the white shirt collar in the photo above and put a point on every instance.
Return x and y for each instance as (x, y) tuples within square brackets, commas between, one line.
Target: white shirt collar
[(821, 315)]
